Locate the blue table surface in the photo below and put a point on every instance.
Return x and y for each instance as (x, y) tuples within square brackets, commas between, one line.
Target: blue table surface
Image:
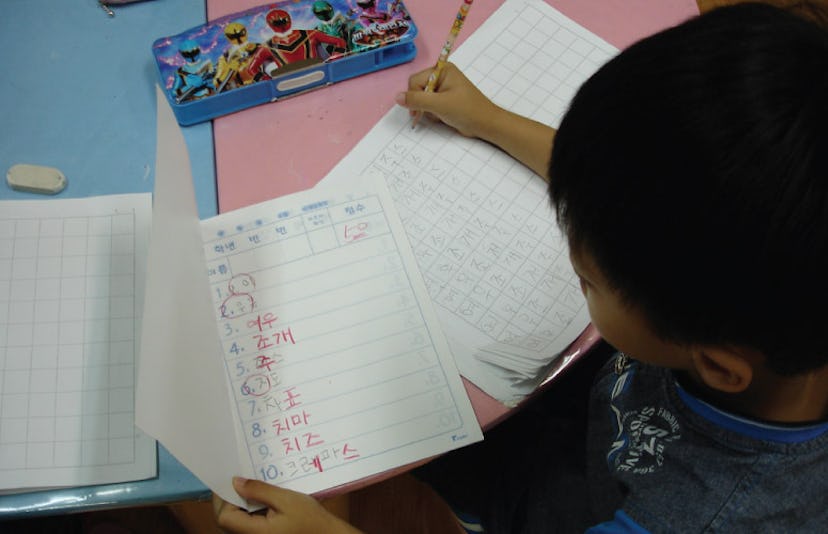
[(78, 94)]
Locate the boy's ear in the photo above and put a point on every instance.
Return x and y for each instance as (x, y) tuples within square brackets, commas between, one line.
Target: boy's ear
[(723, 368)]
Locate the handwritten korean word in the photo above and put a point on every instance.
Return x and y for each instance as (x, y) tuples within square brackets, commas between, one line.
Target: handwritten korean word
[(307, 463), (298, 444), (277, 338), (261, 322), (264, 405), (291, 397), (239, 302), (260, 362), (256, 385), (285, 424), (346, 452), (266, 362), (241, 284)]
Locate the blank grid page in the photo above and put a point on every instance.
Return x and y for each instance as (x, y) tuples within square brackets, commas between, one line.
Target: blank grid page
[(479, 222), (70, 291)]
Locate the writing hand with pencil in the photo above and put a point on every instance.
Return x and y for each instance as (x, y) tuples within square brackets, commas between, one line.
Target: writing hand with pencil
[(457, 103)]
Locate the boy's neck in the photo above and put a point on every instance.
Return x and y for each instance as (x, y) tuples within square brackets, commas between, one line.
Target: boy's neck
[(800, 399)]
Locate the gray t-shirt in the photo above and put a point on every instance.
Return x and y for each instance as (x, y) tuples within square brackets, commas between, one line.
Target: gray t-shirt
[(682, 465)]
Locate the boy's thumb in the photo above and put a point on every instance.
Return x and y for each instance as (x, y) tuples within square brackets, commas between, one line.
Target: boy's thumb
[(249, 488), (240, 485), (414, 100)]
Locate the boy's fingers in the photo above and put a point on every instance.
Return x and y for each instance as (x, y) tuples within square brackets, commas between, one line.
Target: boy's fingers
[(254, 490), (417, 82), (219, 505), (286, 511), (233, 519), (273, 497), (238, 520), (416, 100)]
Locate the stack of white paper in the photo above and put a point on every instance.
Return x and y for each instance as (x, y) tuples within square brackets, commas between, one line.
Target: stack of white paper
[(480, 223)]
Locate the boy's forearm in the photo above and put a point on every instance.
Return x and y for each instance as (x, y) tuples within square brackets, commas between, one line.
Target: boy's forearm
[(526, 140)]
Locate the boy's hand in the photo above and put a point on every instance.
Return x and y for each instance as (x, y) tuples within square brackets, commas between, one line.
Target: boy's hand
[(455, 101), (459, 104), (288, 512)]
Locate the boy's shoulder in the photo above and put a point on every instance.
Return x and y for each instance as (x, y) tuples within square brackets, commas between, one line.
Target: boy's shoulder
[(688, 466)]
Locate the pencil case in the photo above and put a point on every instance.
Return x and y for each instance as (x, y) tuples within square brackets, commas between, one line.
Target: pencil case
[(278, 50)]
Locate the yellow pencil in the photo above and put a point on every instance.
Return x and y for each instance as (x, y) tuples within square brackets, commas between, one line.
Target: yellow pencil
[(431, 84)]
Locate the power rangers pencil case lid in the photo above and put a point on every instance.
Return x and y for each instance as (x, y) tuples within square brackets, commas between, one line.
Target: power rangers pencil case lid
[(277, 50)]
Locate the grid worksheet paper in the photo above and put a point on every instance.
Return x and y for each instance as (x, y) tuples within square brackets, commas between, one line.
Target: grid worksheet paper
[(71, 277), (479, 222)]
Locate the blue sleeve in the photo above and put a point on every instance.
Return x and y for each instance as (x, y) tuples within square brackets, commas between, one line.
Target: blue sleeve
[(620, 524)]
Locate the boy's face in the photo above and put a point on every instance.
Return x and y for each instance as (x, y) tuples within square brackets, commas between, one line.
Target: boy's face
[(622, 326)]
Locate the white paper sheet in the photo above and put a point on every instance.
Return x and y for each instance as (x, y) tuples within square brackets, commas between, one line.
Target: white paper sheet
[(71, 281), (319, 360), (182, 397), (480, 224)]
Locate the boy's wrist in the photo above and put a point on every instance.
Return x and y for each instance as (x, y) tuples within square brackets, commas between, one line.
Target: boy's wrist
[(526, 140), (494, 125)]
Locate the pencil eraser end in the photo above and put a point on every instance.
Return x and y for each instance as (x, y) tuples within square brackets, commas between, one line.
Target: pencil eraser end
[(36, 179)]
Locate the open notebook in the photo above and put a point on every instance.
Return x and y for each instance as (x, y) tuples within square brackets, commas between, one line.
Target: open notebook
[(292, 341), (480, 223)]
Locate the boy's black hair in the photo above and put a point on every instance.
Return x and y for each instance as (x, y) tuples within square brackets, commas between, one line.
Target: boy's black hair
[(693, 169)]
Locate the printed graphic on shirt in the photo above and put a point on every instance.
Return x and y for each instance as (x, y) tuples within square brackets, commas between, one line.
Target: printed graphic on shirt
[(642, 434)]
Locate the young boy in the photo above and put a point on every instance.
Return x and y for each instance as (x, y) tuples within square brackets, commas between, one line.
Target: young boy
[(690, 175)]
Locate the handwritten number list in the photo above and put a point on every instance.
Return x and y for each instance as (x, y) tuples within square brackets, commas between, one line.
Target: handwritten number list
[(328, 353)]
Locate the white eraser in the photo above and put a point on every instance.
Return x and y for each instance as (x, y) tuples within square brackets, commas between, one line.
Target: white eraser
[(36, 179)]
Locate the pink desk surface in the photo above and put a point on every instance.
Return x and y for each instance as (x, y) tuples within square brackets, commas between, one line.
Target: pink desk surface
[(287, 146), (284, 147)]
